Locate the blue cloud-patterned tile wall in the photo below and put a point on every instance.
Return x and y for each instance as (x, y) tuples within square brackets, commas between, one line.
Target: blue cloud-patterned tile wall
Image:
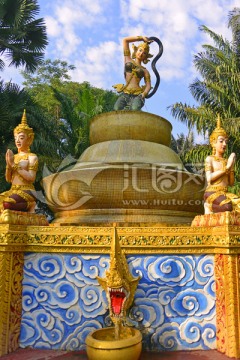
[(174, 304)]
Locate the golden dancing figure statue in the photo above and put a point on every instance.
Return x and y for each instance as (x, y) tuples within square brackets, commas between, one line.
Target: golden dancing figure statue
[(219, 175), (132, 94), (21, 171)]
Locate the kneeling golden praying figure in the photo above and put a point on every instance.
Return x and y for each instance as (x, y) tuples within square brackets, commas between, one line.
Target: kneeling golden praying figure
[(21, 171), (219, 175)]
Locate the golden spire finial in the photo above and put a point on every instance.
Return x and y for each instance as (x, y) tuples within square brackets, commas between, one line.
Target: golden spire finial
[(24, 118), (218, 121)]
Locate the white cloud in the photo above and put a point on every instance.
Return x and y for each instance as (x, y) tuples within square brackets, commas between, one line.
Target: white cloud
[(53, 26), (98, 65), (80, 12), (69, 18)]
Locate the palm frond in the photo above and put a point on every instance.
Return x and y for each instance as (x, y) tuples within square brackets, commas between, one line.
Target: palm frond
[(23, 38)]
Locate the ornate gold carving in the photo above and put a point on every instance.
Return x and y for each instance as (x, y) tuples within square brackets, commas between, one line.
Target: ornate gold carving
[(232, 303), (228, 304), (5, 261), (16, 300), (218, 131), (23, 126), (217, 219), (220, 303), (22, 218), (11, 265), (142, 240)]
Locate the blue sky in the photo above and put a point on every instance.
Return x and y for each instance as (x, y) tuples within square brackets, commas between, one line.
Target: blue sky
[(88, 34)]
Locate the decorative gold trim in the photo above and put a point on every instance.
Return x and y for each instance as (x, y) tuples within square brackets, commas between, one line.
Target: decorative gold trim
[(126, 52), (16, 300), (227, 272), (221, 331), (232, 304), (5, 261), (11, 271), (141, 240), (22, 218)]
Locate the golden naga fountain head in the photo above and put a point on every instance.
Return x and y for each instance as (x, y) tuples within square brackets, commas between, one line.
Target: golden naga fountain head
[(118, 342), (119, 284)]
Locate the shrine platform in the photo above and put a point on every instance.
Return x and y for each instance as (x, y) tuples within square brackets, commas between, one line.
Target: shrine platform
[(187, 302)]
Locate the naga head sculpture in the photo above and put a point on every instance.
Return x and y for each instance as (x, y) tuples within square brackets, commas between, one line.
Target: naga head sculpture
[(119, 284)]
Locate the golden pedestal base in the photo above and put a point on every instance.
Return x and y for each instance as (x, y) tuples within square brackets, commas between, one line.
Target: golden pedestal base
[(22, 218), (222, 241), (217, 219)]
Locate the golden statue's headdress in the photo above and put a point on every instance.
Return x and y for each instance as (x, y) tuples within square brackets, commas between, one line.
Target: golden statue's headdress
[(23, 127), (146, 47), (218, 131)]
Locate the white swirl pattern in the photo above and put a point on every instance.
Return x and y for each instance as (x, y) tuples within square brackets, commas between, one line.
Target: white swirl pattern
[(174, 303)]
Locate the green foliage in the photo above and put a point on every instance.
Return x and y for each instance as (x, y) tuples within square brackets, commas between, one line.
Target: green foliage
[(182, 144), (76, 115), (23, 38), (217, 92), (70, 105), (48, 73)]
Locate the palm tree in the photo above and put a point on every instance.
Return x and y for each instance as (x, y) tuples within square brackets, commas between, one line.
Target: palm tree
[(182, 144), (22, 37), (217, 92)]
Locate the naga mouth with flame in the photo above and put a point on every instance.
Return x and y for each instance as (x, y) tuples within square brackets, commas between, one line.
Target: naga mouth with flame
[(118, 297)]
